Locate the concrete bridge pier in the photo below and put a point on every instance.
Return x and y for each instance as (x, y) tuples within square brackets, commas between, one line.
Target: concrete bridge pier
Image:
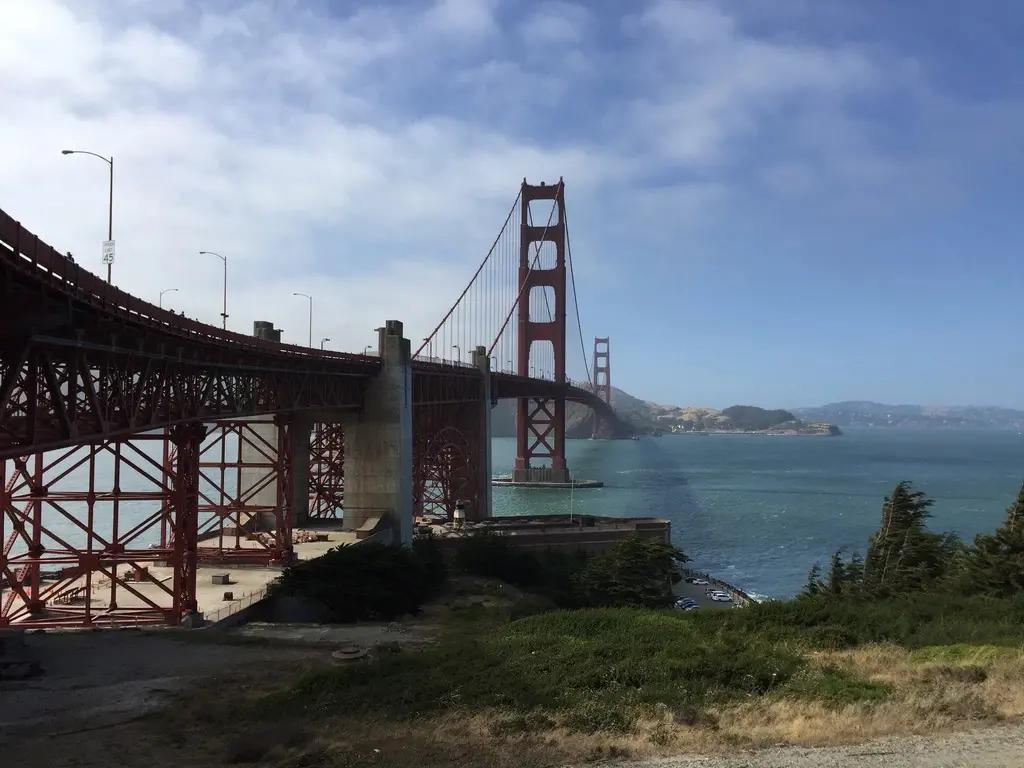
[(484, 469), (379, 442)]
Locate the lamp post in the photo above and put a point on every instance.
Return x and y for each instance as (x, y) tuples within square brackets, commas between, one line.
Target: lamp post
[(310, 315), (458, 353), (366, 349), (108, 257), (323, 341), (165, 290), (224, 312)]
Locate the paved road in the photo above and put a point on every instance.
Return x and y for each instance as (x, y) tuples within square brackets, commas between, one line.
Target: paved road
[(682, 589), (992, 748)]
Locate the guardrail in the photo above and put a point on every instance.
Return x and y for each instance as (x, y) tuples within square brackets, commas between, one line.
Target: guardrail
[(236, 605), (738, 594)]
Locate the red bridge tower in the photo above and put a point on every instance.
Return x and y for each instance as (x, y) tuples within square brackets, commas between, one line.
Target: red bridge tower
[(540, 422), (602, 385)]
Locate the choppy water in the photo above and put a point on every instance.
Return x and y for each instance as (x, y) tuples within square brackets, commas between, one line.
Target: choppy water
[(757, 511)]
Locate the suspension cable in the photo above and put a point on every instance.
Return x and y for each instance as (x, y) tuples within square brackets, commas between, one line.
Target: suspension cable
[(575, 296), (475, 275), (526, 282)]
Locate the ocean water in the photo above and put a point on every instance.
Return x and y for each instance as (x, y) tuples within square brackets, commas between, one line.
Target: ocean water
[(758, 511)]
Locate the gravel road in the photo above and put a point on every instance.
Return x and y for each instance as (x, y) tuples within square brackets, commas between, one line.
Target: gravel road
[(992, 748)]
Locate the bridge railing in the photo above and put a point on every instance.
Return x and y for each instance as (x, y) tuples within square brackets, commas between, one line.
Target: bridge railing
[(28, 254)]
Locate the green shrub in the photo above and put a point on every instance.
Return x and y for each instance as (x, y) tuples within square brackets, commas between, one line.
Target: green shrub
[(427, 550), (599, 668), (637, 571), (372, 581), (548, 573), (846, 622)]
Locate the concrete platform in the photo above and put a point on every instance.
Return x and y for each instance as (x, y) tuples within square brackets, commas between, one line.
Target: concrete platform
[(246, 583), (508, 482)]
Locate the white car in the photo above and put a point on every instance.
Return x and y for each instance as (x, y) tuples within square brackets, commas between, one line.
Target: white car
[(721, 597)]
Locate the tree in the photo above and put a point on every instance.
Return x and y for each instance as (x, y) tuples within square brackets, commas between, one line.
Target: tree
[(815, 586), (995, 564), (638, 571), (903, 555)]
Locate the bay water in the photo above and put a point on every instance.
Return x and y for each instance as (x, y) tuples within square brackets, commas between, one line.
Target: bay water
[(758, 510)]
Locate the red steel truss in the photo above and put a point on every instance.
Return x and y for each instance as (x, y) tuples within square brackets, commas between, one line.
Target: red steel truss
[(119, 553), (447, 432), (245, 515), (327, 472), (540, 422)]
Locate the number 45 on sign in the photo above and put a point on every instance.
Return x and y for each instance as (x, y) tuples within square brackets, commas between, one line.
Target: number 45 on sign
[(108, 251)]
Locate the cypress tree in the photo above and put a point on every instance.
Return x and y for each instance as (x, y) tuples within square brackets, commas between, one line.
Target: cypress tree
[(995, 564), (903, 555)]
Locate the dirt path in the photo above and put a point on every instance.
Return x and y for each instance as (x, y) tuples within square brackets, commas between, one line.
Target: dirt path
[(991, 748)]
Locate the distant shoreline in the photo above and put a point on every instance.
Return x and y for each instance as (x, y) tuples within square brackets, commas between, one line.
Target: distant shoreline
[(764, 433)]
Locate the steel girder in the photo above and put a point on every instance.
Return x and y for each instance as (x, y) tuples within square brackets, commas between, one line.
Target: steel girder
[(55, 394)]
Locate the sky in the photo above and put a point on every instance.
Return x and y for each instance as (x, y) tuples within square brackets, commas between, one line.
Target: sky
[(773, 202)]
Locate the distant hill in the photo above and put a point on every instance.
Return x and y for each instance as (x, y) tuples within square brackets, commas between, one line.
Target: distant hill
[(862, 413), (647, 418)]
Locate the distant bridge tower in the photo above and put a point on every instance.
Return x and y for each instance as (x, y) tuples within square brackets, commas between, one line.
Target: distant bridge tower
[(602, 385), (540, 422)]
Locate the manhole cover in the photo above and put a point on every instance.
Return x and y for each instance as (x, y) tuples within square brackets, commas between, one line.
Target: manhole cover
[(349, 653)]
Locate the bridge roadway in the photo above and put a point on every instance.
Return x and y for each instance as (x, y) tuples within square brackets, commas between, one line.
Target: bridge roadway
[(110, 365)]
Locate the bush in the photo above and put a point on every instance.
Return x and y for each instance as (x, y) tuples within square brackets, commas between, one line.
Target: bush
[(427, 549), (635, 572), (846, 622), (548, 574), (376, 582)]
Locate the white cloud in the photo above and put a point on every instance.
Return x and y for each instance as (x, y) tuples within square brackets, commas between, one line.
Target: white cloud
[(369, 158)]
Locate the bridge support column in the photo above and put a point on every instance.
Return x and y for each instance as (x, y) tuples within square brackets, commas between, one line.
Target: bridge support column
[(379, 442), (485, 497)]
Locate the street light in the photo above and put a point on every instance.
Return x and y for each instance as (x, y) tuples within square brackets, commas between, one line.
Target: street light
[(310, 315), (323, 341), (224, 313), (165, 290), (108, 258), (458, 352), (366, 349)]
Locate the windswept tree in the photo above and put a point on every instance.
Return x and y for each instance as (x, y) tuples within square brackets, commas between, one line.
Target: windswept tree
[(995, 564), (637, 571), (903, 555), (843, 579)]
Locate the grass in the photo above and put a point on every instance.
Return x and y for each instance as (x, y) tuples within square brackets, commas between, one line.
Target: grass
[(589, 670), (559, 687)]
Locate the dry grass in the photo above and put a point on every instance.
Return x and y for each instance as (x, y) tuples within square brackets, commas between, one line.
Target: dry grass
[(839, 697), (930, 692)]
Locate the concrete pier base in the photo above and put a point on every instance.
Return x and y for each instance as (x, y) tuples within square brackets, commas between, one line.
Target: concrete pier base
[(378, 442)]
